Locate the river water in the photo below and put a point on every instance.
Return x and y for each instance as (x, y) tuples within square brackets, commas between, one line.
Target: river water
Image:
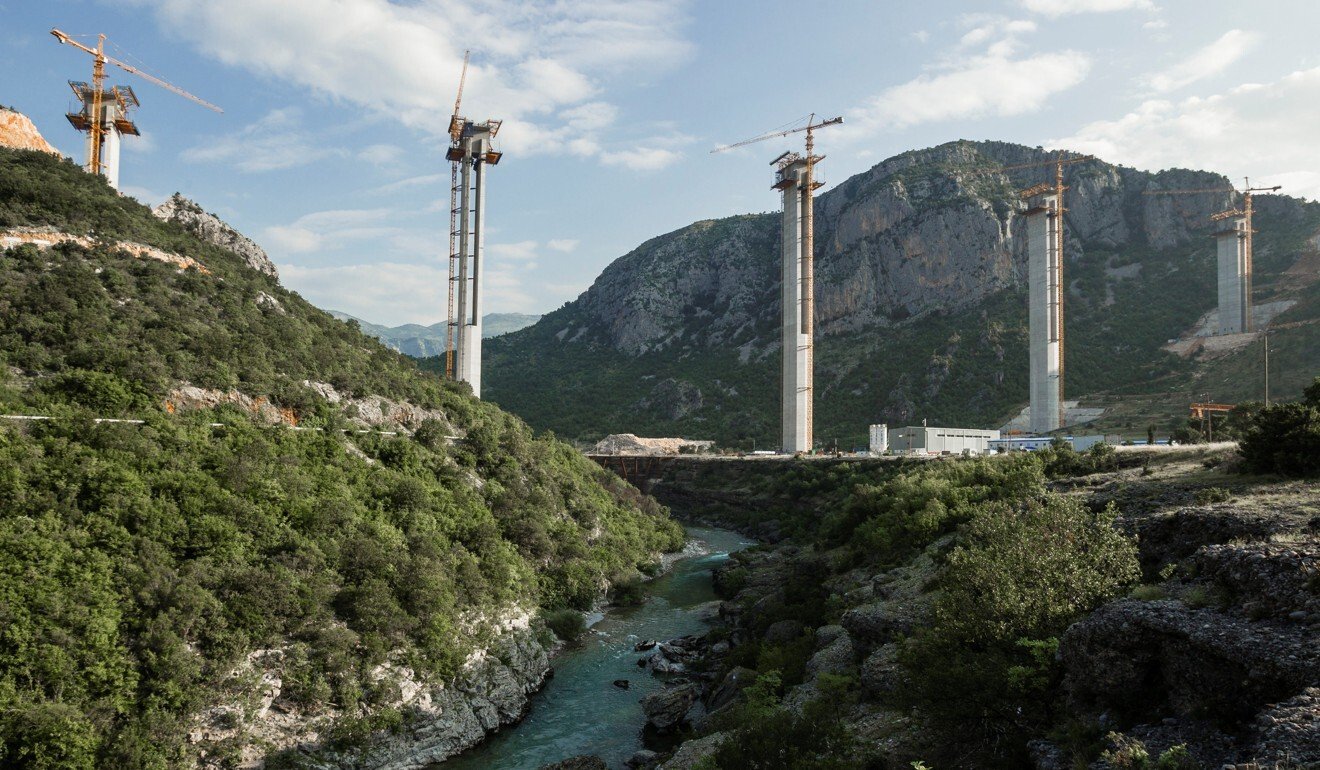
[(580, 711)]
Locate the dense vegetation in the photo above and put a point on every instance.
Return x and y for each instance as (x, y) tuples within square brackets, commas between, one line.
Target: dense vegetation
[(139, 563), (1013, 565), (1285, 438)]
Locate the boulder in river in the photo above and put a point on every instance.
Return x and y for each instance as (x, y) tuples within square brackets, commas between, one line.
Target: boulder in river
[(622, 684), (667, 709)]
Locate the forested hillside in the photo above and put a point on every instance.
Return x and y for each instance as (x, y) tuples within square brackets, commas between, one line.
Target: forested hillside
[(145, 566)]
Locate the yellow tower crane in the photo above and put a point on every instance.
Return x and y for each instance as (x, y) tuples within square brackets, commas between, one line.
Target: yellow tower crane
[(94, 96), (1246, 212), (455, 134), (808, 243), (1057, 187)]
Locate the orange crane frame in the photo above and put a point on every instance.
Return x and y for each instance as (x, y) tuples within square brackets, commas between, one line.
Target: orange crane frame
[(1246, 212), (455, 134), (808, 246), (99, 60)]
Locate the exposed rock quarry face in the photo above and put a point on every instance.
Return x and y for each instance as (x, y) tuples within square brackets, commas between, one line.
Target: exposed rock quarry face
[(926, 230), (212, 229), (17, 131)]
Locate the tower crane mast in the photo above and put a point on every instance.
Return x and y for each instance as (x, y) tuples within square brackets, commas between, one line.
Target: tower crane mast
[(94, 96), (800, 190), (1247, 212)]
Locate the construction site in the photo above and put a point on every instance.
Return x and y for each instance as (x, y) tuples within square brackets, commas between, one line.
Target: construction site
[(105, 114)]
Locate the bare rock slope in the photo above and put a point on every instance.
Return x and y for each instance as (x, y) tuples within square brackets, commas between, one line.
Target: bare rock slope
[(214, 230), (18, 131)]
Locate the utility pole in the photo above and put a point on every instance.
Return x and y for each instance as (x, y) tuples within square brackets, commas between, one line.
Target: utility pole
[(1267, 367)]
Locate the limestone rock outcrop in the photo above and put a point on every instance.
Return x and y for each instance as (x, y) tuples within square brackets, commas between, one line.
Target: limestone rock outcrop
[(928, 230), (214, 230), (443, 718), (18, 131)]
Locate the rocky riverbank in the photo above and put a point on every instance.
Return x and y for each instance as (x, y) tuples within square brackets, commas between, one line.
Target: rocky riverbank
[(412, 724), (1211, 660)]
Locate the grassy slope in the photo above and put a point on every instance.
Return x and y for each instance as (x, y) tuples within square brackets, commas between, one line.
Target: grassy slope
[(139, 563)]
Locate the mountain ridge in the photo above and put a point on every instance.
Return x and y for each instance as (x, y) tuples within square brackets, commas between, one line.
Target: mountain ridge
[(421, 341), (920, 305)]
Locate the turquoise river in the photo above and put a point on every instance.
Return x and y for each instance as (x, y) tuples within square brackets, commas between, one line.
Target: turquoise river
[(580, 711)]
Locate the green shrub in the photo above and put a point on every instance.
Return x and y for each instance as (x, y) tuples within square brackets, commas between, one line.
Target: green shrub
[(1208, 495), (566, 624), (1149, 593), (1177, 758), (1031, 570), (769, 736), (627, 591), (1285, 438), (983, 670), (47, 735), (888, 520)]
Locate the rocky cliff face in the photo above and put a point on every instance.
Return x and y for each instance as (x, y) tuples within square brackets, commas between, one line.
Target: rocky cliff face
[(935, 229), (18, 131), (920, 302), (1217, 653), (212, 229), (442, 718)]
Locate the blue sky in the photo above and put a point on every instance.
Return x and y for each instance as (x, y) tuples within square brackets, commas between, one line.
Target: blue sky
[(330, 150)]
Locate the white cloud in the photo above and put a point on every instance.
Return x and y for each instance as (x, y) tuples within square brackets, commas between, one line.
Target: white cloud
[(274, 142), (984, 76), (395, 293), (640, 158), (1261, 130), (563, 245), (921, 36), (520, 251), (1057, 8), (390, 293), (1205, 62), (330, 229), (421, 180), (533, 65), (381, 154)]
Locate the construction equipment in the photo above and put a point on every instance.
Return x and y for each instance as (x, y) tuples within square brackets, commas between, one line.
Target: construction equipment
[(1246, 213), (810, 128), (98, 118), (1205, 412), (470, 151), (1056, 187), (798, 172), (1058, 162), (455, 133)]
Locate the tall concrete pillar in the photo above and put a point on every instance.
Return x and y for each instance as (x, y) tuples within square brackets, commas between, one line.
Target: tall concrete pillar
[(110, 136), (471, 244), (1045, 320), (795, 390), (1233, 301), (110, 151)]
